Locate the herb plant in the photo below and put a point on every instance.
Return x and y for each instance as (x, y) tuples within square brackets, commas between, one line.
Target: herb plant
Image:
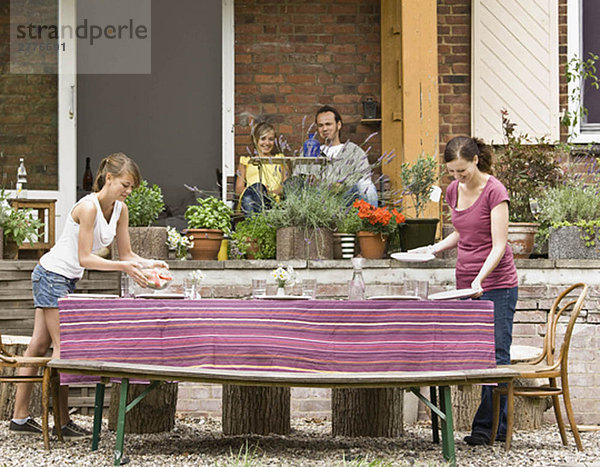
[(209, 213), (418, 179), (20, 226), (145, 204), (255, 232)]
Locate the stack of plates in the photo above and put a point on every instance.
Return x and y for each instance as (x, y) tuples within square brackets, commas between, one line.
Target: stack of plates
[(412, 257), (453, 294)]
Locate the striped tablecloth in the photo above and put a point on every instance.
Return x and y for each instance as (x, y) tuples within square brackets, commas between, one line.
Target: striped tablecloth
[(298, 336)]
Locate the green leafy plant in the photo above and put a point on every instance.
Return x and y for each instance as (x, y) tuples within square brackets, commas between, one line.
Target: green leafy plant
[(145, 204), (254, 235), (349, 223), (526, 169), (418, 180), (575, 203), (579, 72), (209, 213), (20, 226)]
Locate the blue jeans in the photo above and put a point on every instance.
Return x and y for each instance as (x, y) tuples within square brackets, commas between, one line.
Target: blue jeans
[(49, 286), (505, 303), (255, 199)]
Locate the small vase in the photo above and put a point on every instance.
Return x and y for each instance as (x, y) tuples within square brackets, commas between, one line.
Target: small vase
[(280, 291)]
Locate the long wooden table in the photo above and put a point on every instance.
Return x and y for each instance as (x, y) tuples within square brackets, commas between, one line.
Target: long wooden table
[(315, 343)]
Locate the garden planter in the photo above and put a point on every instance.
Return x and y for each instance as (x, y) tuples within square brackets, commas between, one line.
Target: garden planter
[(11, 250), (566, 243), (343, 245), (147, 242), (207, 243), (521, 238), (417, 232), (303, 243), (372, 245)]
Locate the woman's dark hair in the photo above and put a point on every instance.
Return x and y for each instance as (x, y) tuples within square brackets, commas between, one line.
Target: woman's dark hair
[(117, 164), (467, 148)]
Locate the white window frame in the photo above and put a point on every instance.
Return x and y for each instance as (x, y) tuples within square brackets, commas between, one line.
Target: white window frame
[(575, 49)]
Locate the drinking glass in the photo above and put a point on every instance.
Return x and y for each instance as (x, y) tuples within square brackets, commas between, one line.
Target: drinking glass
[(189, 289), (259, 287), (126, 289), (416, 288), (309, 288)]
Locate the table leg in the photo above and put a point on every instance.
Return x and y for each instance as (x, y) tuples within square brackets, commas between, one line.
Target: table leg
[(435, 428), (447, 426), (98, 406), (121, 421)]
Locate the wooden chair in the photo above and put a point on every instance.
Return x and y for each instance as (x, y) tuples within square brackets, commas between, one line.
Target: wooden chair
[(549, 365), (8, 360)]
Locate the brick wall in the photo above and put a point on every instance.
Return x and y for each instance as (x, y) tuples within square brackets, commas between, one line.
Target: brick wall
[(28, 121), (292, 57)]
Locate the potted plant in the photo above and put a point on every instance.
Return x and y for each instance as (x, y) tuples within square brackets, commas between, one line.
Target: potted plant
[(376, 225), (569, 216), (418, 181), (145, 203), (208, 221), (177, 242), (254, 238), (344, 238), (526, 170), (18, 226)]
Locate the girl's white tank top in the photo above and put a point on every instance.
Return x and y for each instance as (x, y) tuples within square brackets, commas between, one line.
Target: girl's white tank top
[(63, 258)]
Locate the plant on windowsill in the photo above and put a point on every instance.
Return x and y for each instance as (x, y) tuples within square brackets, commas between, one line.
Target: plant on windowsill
[(145, 203), (418, 183), (208, 222), (18, 226), (526, 167)]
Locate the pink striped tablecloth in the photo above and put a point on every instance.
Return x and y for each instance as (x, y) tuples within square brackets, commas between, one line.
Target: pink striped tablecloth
[(297, 336)]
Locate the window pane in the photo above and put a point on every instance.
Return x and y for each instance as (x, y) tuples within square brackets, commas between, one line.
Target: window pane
[(591, 44)]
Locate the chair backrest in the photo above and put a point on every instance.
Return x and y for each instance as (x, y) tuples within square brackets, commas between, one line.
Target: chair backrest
[(5, 355), (562, 306)]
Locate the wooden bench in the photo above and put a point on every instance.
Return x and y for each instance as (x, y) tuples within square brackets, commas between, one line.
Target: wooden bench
[(156, 374)]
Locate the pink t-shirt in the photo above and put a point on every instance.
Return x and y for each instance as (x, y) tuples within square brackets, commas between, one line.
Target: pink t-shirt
[(475, 242)]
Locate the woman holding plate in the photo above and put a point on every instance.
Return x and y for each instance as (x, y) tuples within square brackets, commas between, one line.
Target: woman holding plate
[(479, 205)]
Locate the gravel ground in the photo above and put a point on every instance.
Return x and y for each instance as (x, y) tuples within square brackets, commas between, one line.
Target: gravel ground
[(200, 442)]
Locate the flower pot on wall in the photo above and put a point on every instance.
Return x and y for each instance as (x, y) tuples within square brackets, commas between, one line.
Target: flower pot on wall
[(302, 243), (521, 238), (207, 243), (11, 250), (148, 242), (372, 245), (566, 243), (418, 232), (343, 245)]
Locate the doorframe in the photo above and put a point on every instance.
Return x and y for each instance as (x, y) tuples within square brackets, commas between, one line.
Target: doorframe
[(67, 110)]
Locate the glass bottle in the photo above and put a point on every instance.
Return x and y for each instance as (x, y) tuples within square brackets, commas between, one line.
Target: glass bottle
[(88, 179), (356, 287), (311, 147), (21, 188)]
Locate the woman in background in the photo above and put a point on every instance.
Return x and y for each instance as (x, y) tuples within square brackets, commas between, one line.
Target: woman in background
[(257, 185)]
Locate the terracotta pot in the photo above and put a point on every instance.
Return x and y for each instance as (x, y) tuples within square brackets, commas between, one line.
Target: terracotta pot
[(521, 238), (372, 245), (207, 243), (11, 250), (253, 249)]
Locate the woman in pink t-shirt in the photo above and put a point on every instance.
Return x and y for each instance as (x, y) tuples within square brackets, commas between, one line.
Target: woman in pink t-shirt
[(479, 205)]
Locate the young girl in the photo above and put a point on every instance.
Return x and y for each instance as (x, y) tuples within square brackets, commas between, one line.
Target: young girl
[(479, 205), (93, 223), (256, 185)]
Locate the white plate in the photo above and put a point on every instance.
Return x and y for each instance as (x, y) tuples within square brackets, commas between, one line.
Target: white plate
[(91, 295), (160, 295), (451, 294), (283, 297), (394, 297), (412, 257)]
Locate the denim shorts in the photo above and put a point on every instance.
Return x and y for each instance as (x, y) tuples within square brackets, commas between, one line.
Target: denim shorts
[(48, 287)]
